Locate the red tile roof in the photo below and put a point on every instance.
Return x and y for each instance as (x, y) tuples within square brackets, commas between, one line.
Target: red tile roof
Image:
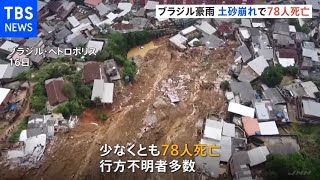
[(92, 2), (91, 71), (250, 125), (288, 53), (54, 88), (121, 26), (225, 28)]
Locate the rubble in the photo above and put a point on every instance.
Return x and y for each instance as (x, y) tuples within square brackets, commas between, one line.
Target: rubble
[(175, 88)]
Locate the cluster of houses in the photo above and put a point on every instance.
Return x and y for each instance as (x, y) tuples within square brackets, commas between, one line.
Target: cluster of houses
[(33, 140), (252, 130)]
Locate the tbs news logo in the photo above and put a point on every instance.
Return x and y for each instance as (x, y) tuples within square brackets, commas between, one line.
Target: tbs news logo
[(20, 19)]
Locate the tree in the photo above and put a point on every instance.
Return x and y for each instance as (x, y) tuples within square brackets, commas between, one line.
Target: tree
[(69, 90), (38, 103), (305, 28), (197, 43), (129, 70), (39, 89), (24, 76), (225, 85), (272, 75), (291, 70), (63, 110), (280, 166), (79, 2), (237, 21), (103, 116), (102, 55), (295, 22), (97, 100)]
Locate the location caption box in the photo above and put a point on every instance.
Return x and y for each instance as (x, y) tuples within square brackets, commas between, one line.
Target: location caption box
[(18, 18)]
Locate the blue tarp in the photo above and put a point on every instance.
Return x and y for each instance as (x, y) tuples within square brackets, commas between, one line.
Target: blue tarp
[(13, 106)]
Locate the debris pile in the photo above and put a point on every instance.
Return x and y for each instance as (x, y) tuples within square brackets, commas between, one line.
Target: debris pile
[(175, 88)]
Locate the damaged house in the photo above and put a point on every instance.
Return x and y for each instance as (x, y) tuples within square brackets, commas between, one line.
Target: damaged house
[(308, 110)]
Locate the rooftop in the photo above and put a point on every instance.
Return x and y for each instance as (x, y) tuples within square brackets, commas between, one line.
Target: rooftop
[(102, 90), (188, 30), (247, 74), (73, 21), (209, 164), (258, 155), (312, 54), (263, 109), (228, 129), (286, 62), (281, 28), (288, 53), (54, 88), (258, 64), (311, 107), (244, 89), (245, 53), (268, 128), (239, 165), (94, 19), (310, 88), (103, 9), (241, 109), (95, 45), (251, 126), (212, 41), (151, 5), (179, 41), (274, 95), (3, 94), (246, 22), (213, 129), (206, 28), (92, 70), (9, 46), (245, 33), (92, 2)]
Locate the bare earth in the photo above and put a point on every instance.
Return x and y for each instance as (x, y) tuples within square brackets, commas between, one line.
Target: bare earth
[(76, 155)]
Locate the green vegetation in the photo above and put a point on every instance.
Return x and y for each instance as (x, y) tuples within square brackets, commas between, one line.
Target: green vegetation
[(69, 90), (14, 137), (197, 43), (79, 2), (273, 75), (291, 71), (97, 101), (282, 166), (295, 22), (279, 166), (119, 45), (237, 21), (225, 85), (81, 94), (103, 116), (70, 108), (47, 71), (309, 137), (39, 97), (305, 28)]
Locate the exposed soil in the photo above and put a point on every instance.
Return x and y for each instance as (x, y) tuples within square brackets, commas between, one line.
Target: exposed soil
[(133, 119)]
